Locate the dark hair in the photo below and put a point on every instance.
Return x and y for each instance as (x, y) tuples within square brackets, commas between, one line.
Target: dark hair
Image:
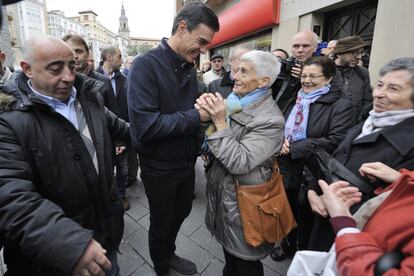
[(328, 65), (109, 50), (194, 14), (281, 50), (77, 39)]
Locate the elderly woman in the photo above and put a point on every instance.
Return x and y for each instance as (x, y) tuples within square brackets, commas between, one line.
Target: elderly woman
[(247, 136), (319, 118), (386, 136)]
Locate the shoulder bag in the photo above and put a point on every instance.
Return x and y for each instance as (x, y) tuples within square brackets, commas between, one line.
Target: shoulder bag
[(265, 212)]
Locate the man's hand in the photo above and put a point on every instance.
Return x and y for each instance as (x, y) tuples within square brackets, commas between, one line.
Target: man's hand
[(93, 261), (296, 71), (379, 170), (201, 101), (338, 197), (119, 150)]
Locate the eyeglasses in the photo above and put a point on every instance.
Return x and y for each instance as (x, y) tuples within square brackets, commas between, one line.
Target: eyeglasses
[(310, 76), (358, 52)]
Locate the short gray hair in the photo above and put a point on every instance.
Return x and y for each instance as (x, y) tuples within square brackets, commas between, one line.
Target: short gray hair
[(400, 64), (266, 64)]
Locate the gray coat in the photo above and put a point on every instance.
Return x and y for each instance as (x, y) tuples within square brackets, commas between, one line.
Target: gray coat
[(244, 150)]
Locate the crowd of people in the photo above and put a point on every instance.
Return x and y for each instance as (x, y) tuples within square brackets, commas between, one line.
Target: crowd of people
[(65, 126)]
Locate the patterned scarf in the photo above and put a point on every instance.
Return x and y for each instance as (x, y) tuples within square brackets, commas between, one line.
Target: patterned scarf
[(297, 122), (376, 121)]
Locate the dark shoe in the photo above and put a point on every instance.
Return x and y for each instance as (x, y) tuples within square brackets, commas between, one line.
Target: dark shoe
[(165, 274), (182, 265), (125, 204), (131, 182), (278, 254)]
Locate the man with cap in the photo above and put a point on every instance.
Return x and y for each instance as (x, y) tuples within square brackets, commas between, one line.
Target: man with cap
[(217, 69), (355, 79)]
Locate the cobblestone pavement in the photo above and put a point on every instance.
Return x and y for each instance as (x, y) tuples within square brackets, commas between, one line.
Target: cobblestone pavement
[(193, 242)]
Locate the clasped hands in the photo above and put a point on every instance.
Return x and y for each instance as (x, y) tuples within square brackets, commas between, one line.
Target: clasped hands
[(212, 107)]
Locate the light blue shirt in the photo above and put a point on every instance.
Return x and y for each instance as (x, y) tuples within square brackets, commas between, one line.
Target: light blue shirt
[(66, 110)]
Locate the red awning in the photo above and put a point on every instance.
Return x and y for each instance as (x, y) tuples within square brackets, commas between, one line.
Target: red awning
[(246, 17)]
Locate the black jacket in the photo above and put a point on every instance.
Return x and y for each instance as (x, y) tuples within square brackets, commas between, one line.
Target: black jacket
[(223, 85), (52, 200), (392, 146), (106, 91), (164, 123), (330, 117), (120, 96), (356, 86)]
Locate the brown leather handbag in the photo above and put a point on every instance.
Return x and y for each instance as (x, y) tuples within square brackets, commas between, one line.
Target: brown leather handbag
[(265, 211)]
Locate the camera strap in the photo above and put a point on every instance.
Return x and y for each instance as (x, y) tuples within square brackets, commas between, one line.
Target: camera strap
[(282, 90)]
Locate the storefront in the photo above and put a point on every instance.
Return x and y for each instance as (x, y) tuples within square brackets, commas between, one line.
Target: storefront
[(246, 23)]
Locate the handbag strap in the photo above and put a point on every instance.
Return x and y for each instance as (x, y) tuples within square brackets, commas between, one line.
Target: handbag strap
[(275, 169), (343, 172)]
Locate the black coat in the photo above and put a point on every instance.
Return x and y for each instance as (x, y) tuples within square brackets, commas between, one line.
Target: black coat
[(165, 126), (52, 200), (107, 92), (356, 85), (120, 96), (223, 85), (330, 117), (392, 146)]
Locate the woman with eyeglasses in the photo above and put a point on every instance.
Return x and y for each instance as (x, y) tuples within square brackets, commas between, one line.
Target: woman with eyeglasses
[(319, 118)]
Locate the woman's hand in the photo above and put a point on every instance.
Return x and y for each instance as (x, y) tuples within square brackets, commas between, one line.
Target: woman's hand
[(216, 108), (379, 170), (338, 197), (285, 147), (316, 204)]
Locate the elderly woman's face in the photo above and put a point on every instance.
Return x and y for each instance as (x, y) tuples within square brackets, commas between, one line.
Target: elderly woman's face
[(246, 80), (312, 78), (393, 92)]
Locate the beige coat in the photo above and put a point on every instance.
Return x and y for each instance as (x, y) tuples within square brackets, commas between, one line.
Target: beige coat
[(245, 150)]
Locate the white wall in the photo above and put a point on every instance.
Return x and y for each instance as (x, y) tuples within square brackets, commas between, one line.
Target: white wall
[(393, 34)]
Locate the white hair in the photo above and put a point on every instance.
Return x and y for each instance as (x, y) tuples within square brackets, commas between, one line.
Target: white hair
[(266, 64)]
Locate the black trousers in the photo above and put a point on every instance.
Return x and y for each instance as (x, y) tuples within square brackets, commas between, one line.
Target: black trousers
[(170, 197), (237, 267)]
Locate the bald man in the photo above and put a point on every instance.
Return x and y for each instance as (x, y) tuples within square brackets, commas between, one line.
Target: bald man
[(285, 88), (60, 214)]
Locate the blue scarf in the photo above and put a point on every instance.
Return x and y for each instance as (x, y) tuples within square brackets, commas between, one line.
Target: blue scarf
[(297, 122), (236, 103)]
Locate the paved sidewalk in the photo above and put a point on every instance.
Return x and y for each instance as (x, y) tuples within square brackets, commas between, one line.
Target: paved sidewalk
[(193, 242)]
